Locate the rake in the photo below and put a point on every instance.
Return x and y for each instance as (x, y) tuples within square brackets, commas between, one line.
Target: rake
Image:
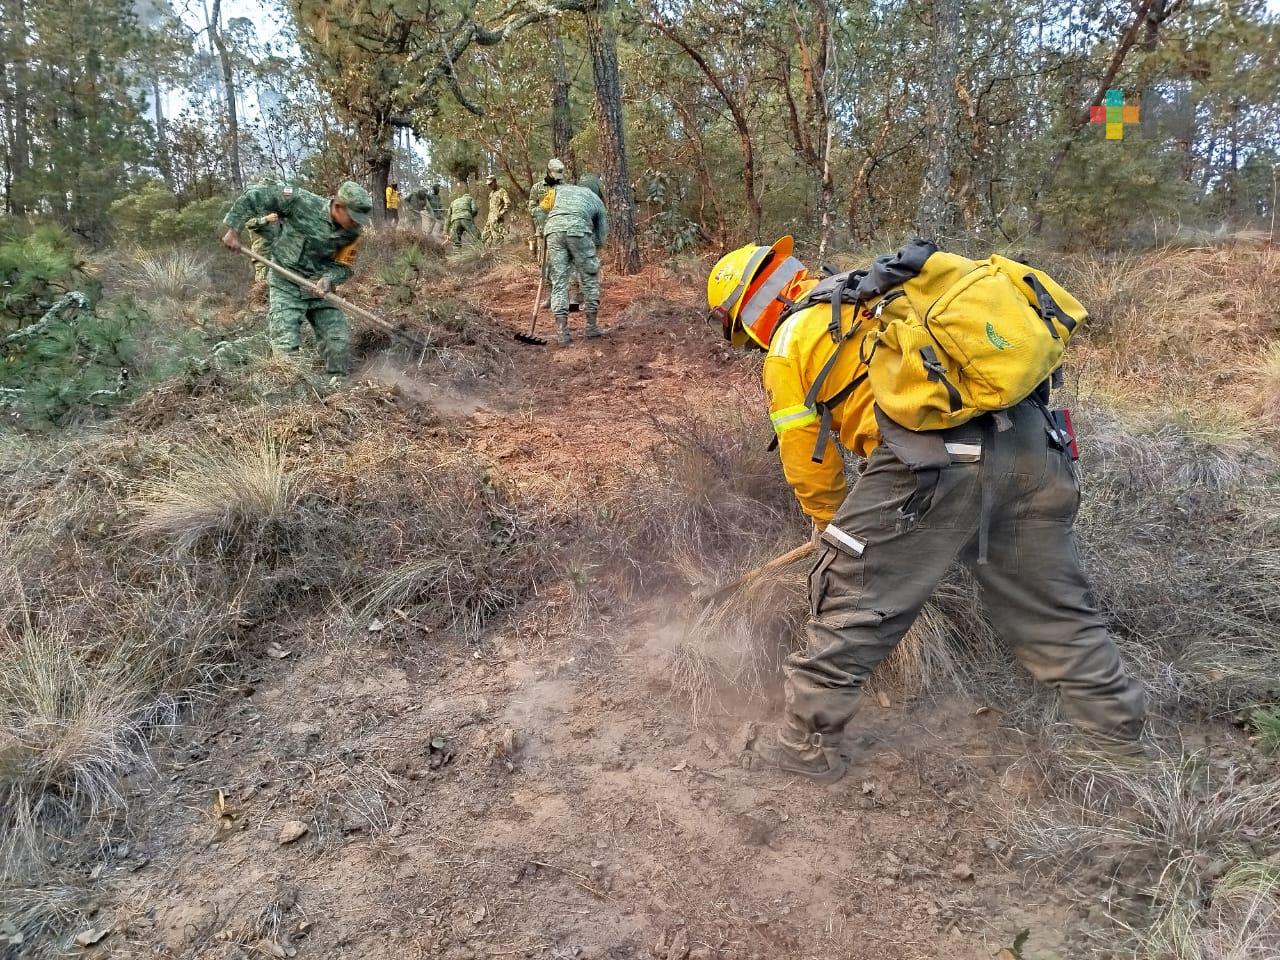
[(372, 318), (529, 338)]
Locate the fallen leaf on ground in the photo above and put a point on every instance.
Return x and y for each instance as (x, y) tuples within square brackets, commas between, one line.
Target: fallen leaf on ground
[(89, 937)]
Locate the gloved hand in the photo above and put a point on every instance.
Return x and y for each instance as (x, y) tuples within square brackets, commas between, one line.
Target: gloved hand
[(231, 239), (324, 285), (271, 218)]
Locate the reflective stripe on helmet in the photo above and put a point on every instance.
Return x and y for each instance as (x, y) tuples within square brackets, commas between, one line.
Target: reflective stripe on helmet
[(788, 418), (744, 279), (774, 284)]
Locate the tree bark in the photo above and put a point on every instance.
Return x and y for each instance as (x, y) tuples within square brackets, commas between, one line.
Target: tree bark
[(229, 92), (15, 25), (561, 114), (936, 215), (163, 160), (622, 205)]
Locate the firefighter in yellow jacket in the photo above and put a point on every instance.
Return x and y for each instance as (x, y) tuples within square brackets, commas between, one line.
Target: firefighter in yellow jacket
[(1004, 507)]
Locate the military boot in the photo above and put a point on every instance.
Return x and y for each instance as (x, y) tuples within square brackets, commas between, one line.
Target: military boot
[(593, 329), (793, 749), (562, 330)]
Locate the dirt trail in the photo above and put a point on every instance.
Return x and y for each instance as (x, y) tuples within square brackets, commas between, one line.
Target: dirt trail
[(541, 795)]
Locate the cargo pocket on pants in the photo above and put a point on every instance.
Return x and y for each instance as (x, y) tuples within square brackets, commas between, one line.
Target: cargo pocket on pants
[(835, 585)]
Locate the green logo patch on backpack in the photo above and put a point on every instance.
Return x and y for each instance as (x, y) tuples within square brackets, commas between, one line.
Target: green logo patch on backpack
[(997, 341)]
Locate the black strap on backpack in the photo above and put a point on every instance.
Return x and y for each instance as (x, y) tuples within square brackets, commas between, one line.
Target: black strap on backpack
[(1048, 307), (855, 288)]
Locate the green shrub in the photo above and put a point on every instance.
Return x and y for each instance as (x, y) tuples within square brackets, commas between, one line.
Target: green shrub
[(152, 216), (35, 269), (1266, 724)]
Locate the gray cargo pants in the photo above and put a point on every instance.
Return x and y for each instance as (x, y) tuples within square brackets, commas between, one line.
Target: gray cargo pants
[(874, 574)]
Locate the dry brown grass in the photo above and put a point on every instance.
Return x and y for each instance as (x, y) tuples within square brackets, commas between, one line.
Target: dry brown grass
[(1177, 329), (216, 492), (1179, 845)]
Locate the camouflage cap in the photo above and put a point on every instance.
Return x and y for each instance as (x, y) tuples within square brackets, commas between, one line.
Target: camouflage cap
[(555, 169), (491, 178), (357, 201)]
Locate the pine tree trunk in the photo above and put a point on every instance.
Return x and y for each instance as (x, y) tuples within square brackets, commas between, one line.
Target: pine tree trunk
[(229, 92), (936, 215), (561, 116), (162, 136), (617, 179), (380, 170), (15, 26)]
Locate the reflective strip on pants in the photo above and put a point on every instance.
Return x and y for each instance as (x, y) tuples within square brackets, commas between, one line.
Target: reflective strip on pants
[(842, 541)]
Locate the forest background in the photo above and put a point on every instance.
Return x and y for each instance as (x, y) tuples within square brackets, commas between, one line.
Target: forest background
[(712, 121)]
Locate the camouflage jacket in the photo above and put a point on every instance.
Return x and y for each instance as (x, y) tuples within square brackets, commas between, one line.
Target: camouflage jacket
[(537, 193), (309, 242), (463, 209), (434, 205), (575, 211), (499, 204)]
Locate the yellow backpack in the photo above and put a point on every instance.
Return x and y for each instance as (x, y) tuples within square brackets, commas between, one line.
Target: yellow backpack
[(946, 338), (966, 337)]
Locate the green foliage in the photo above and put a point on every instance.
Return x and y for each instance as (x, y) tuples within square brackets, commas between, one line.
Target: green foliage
[(670, 228), (151, 216), (1108, 188), (80, 360), (34, 270), (1266, 724), (459, 159)]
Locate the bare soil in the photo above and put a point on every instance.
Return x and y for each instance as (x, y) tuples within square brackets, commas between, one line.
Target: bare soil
[(542, 793)]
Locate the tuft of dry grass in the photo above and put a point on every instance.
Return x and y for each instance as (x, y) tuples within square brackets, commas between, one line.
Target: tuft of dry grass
[(1180, 844), (1177, 329), (216, 493), (166, 276)]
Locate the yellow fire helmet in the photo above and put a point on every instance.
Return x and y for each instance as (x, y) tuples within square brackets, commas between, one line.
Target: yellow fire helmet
[(744, 291)]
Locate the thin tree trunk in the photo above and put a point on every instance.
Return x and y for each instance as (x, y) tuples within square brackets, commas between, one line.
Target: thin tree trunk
[(162, 135), (20, 162), (738, 113), (561, 114), (617, 179), (229, 92), (936, 214)]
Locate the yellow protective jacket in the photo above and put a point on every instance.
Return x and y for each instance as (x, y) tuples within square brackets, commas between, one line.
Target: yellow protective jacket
[(797, 352)]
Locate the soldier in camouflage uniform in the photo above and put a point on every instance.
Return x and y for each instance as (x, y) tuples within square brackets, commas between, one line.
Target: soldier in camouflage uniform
[(495, 224), (575, 227), (434, 209), (462, 217), (318, 239), (554, 177)]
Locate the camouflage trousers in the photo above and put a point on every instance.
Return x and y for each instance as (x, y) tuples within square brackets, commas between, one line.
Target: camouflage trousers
[(288, 307), (875, 572), (495, 233), (259, 245), (565, 254), (461, 230)]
